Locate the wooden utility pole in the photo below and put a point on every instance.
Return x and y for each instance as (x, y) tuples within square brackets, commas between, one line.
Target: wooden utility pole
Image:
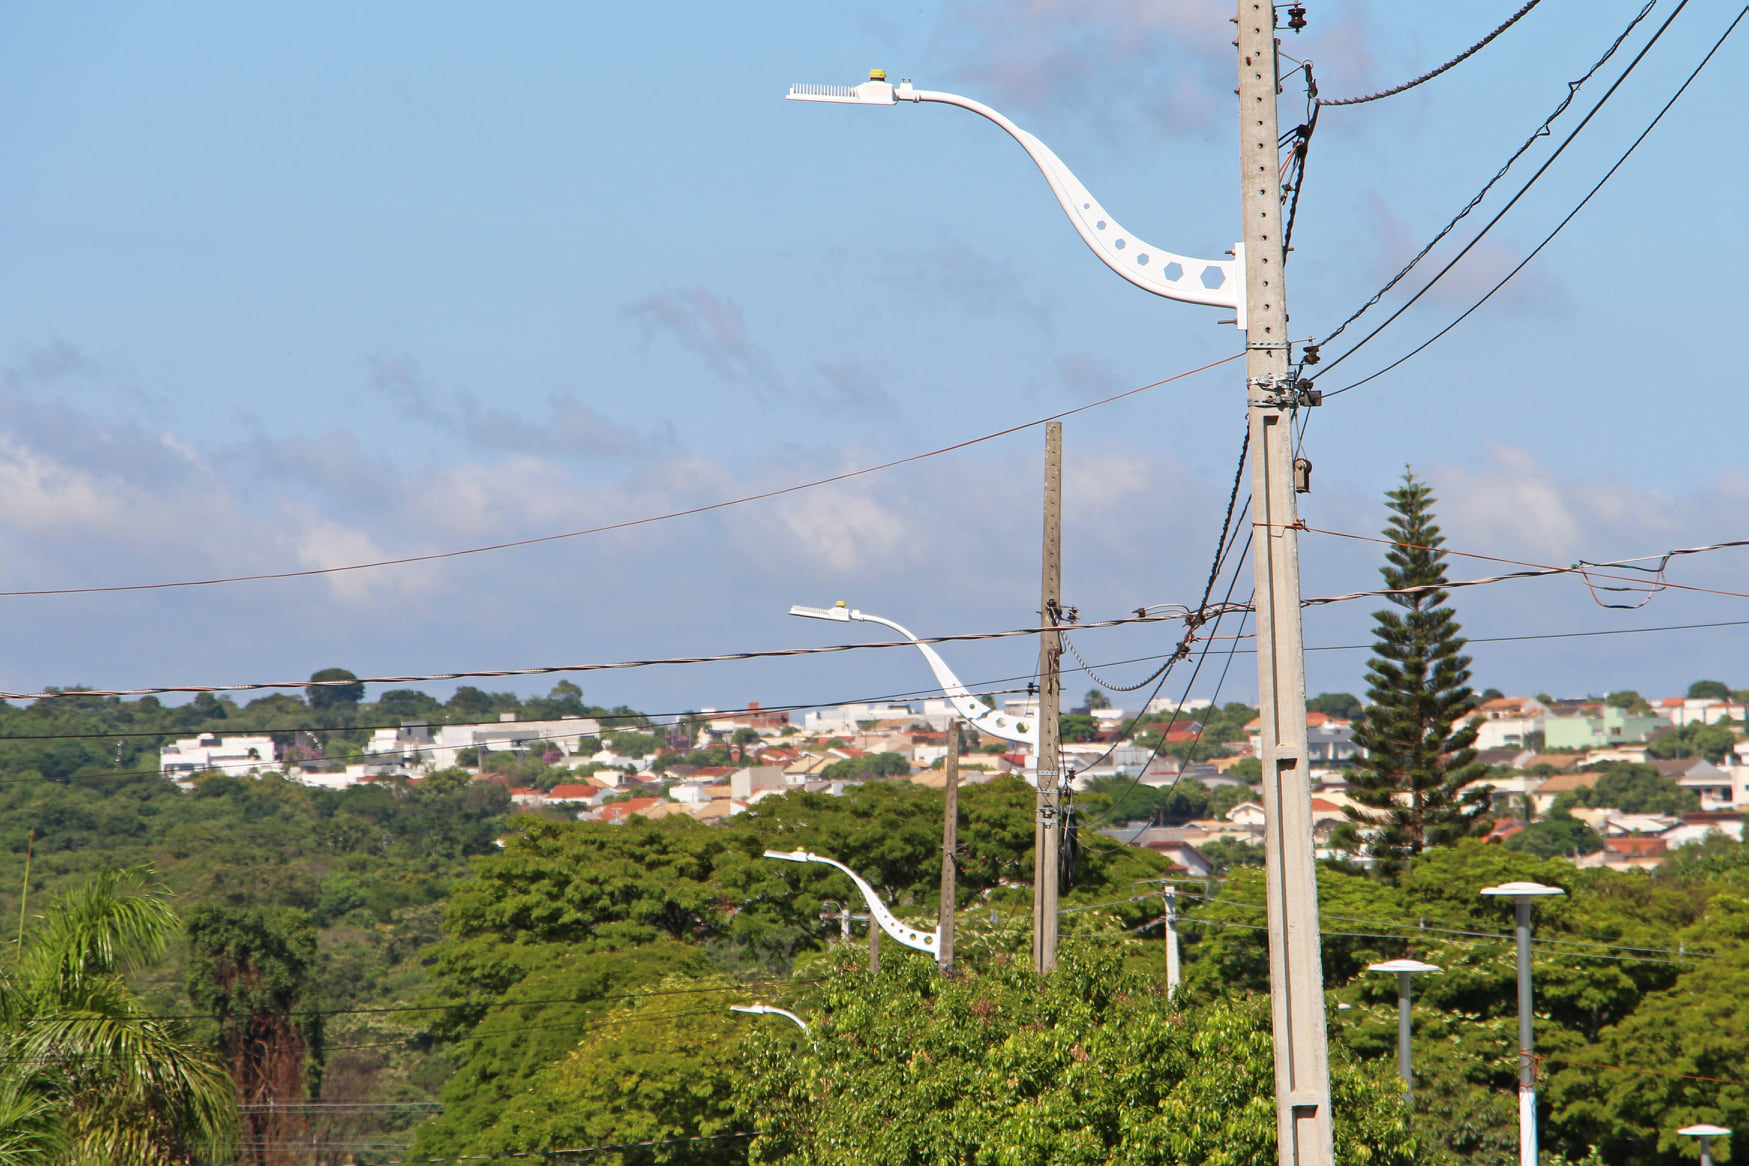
[(950, 828), (1047, 836), (1296, 979), (874, 947)]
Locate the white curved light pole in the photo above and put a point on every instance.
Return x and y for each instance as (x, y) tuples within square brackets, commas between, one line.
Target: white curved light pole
[(929, 941), (1404, 969), (1522, 894), (770, 1010), (1217, 283), (979, 715), (1706, 1133)]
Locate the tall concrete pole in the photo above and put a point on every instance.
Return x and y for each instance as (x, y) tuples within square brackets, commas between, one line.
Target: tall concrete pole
[(950, 822), (1170, 893), (1296, 978), (1047, 834)]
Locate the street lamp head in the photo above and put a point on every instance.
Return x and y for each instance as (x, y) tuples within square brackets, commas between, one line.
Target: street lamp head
[(839, 611), (1521, 890), (1703, 1130), (790, 855), (1402, 966), (874, 91)]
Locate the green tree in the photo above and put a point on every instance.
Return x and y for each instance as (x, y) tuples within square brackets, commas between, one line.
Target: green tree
[(87, 1073), (1713, 742), (1559, 835), (1626, 698), (1096, 699), (324, 694), (1336, 704), (1414, 785), (254, 971), (1639, 789), (1090, 1065), (1076, 727), (868, 765), (1709, 690)]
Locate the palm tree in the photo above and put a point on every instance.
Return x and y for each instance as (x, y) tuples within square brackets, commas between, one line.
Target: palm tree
[(87, 1074)]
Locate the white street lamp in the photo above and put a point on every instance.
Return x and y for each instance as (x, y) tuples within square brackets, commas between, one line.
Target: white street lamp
[(770, 1010), (976, 712), (1706, 1133), (1521, 895), (1404, 969), (909, 936), (1215, 283)]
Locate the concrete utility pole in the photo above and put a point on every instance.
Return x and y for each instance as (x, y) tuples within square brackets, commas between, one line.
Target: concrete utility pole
[(1296, 978), (1047, 835), (950, 824), (1170, 894)]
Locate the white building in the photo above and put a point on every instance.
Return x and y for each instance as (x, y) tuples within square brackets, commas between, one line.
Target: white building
[(418, 743), (229, 754), (846, 718)]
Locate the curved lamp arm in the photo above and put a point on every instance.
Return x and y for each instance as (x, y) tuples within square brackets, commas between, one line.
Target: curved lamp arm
[(769, 1010), (929, 941), (1218, 283), (976, 712)]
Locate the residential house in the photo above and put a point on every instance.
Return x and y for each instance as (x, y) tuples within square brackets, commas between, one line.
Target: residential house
[(745, 783), (1711, 783), (1605, 727), (847, 719), (621, 812), (418, 743), (765, 723), (574, 793), (236, 755), (1544, 795), (1627, 854), (1694, 827), (1681, 710)]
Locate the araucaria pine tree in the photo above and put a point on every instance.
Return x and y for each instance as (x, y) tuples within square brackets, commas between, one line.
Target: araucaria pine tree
[(1416, 782)]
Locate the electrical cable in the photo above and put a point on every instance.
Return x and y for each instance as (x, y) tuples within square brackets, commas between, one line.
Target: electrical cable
[(1145, 615), (627, 523), (1432, 73), (1513, 201), (1549, 238)]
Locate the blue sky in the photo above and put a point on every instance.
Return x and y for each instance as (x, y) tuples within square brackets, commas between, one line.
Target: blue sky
[(293, 286)]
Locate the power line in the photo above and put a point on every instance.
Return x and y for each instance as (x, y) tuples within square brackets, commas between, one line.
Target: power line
[(1432, 73), (1549, 238), (624, 524), (1513, 201), (1145, 615), (1581, 568)]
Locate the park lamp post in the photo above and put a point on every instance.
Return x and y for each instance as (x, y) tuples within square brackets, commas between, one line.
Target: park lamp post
[(1522, 894), (925, 941), (1404, 969), (770, 1010), (1706, 1133)]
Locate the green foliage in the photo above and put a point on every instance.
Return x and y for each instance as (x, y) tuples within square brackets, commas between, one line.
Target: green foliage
[(867, 766), (636, 744), (1077, 727), (1558, 835), (658, 1068), (1336, 704), (324, 694), (1709, 690), (1626, 698), (254, 972), (1634, 789), (86, 1073), (1092, 1065), (1248, 770), (1415, 780), (1096, 699), (1713, 742)]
